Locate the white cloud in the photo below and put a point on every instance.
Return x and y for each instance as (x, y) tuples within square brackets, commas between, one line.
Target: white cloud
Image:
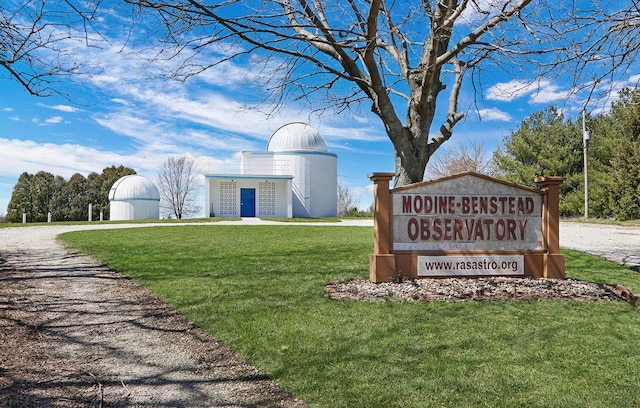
[(61, 108), (64, 108), (359, 131), (480, 10), (539, 92), (54, 120), (634, 79), (145, 91), (212, 109), (494, 114), (604, 93), (121, 66), (224, 115), (102, 80), (18, 156), (161, 137), (508, 91), (548, 93), (228, 74), (209, 110)]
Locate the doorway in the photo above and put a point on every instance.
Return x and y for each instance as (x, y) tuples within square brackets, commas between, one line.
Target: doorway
[(247, 202)]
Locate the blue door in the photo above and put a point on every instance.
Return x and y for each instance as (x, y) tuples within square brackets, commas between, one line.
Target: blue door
[(247, 202)]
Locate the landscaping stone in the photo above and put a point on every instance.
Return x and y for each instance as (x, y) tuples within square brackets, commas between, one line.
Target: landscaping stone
[(480, 289)]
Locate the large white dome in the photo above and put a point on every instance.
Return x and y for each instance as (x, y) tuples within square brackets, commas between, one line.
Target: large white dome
[(296, 136), (134, 187)]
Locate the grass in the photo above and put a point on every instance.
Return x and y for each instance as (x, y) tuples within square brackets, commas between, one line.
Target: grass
[(162, 221), (259, 289), (305, 220), (603, 221)]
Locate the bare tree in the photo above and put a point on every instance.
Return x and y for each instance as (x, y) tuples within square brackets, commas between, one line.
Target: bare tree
[(401, 57), (600, 43), (347, 200), (178, 183), (38, 38), (404, 58), (459, 158)]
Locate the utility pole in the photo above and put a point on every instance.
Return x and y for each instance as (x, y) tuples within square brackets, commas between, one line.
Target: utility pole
[(585, 143)]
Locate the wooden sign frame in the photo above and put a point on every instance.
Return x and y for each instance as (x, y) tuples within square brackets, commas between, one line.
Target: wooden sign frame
[(465, 254)]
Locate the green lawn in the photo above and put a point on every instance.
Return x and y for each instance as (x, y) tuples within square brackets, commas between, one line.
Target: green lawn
[(259, 289), (163, 221)]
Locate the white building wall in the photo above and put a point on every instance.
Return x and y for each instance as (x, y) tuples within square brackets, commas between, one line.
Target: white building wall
[(314, 185), (208, 205), (301, 187), (224, 198), (324, 179), (129, 210), (272, 198), (256, 163), (263, 163)]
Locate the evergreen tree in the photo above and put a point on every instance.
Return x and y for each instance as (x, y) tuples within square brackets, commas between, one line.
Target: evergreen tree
[(39, 194), (42, 192), (600, 150), (78, 190), (621, 128), (61, 202), (94, 182), (546, 144), (20, 199)]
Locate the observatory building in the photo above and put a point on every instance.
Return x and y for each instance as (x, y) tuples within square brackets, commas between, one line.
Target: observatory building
[(295, 177), (134, 197)]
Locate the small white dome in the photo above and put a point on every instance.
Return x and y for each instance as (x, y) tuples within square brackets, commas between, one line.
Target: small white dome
[(296, 136), (134, 187)]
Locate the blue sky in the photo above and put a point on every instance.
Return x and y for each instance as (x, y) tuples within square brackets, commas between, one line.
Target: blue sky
[(124, 114)]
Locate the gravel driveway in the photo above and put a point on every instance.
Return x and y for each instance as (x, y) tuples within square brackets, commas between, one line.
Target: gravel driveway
[(615, 243), (75, 334)]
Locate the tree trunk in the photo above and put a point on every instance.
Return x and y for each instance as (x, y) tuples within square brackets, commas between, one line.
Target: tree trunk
[(412, 146), (408, 171)]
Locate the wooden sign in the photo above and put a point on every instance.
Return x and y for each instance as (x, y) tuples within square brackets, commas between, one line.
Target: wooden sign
[(465, 225)]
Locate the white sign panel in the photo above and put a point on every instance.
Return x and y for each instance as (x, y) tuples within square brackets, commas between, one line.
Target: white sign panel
[(500, 265), (468, 213)]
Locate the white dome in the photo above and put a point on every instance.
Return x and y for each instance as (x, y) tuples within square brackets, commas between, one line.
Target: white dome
[(134, 187), (296, 136)]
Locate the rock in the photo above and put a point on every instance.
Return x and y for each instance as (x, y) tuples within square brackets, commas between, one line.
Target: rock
[(480, 289)]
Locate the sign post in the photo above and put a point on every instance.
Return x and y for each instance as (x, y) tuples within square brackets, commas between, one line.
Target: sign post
[(466, 225)]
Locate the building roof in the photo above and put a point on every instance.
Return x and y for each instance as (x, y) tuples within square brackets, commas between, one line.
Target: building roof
[(134, 187), (249, 176), (296, 136)]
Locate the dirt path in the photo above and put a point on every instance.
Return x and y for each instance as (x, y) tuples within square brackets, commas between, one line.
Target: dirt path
[(75, 334)]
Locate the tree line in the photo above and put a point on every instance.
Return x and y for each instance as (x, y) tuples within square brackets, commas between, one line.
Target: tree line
[(37, 195), (548, 143)]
